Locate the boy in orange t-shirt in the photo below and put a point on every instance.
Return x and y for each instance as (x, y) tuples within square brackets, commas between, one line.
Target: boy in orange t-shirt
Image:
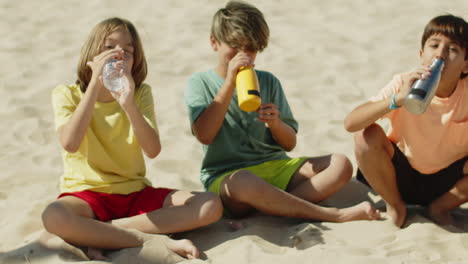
[(423, 159)]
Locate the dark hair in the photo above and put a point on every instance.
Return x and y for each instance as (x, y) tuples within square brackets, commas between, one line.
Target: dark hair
[(453, 27)]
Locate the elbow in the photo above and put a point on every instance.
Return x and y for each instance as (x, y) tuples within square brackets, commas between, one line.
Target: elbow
[(349, 126), (203, 137), (290, 148), (68, 142), (69, 146), (205, 140), (154, 152)]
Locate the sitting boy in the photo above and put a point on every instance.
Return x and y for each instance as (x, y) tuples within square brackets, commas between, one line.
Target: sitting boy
[(245, 158), (423, 158)]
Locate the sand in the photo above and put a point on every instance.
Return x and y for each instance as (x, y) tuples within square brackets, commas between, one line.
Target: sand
[(329, 55)]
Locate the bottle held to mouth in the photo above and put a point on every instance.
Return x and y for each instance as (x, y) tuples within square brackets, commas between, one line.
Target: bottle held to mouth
[(111, 76), (422, 91), (248, 94)]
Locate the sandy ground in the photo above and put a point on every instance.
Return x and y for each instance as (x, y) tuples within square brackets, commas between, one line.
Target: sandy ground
[(329, 55)]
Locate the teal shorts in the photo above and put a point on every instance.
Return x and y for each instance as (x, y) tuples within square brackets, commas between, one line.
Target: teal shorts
[(276, 172)]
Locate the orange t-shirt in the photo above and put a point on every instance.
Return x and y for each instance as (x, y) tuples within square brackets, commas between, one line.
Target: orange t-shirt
[(438, 137)]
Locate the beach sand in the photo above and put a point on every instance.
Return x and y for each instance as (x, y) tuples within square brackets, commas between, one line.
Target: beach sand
[(329, 55)]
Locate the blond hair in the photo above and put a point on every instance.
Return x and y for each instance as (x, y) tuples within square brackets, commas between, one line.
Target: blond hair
[(240, 25), (93, 46)]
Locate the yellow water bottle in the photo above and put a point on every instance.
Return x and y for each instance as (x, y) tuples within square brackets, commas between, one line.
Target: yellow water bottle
[(248, 94)]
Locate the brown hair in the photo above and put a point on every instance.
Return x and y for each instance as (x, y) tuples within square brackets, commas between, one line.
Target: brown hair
[(93, 46), (241, 25), (453, 27)]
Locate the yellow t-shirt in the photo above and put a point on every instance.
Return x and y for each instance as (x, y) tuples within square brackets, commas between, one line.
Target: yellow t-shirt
[(109, 159)]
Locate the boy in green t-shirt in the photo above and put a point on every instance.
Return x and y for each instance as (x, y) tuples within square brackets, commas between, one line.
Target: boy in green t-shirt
[(245, 160)]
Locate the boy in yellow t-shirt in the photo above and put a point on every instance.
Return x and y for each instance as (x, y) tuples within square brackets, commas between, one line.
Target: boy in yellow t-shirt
[(104, 133), (423, 158)]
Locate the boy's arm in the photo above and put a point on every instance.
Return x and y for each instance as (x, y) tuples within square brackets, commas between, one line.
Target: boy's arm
[(207, 125), (367, 113), (71, 134), (282, 133), (147, 137)]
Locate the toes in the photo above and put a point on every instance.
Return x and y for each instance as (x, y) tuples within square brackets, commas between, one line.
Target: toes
[(376, 215), (193, 253), (96, 254)]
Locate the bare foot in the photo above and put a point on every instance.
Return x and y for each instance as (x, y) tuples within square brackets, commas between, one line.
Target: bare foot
[(398, 214), (53, 242), (95, 254), (362, 211), (184, 248)]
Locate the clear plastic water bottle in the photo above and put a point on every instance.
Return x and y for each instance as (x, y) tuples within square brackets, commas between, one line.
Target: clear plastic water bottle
[(111, 76), (422, 91)]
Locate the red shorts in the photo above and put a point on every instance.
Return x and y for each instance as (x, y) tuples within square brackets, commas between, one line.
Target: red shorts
[(113, 206)]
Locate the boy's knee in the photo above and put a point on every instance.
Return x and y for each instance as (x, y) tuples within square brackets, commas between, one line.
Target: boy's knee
[(55, 218), (212, 209), (345, 166), (242, 184), (370, 138)]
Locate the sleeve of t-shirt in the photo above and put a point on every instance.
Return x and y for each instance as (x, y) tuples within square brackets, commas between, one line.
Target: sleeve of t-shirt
[(146, 105), (281, 102), (195, 98), (391, 88), (63, 105)]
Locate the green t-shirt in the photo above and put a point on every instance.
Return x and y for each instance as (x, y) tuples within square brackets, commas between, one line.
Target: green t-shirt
[(242, 141), (109, 159)]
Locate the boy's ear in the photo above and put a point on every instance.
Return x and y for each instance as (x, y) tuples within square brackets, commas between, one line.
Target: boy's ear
[(213, 43), (465, 69)]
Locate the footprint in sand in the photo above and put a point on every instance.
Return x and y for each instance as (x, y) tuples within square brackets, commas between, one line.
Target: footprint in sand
[(266, 246), (386, 240), (306, 238), (358, 251), (38, 159)]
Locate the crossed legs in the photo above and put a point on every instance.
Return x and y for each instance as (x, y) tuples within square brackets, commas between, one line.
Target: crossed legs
[(315, 180), (73, 220), (439, 209), (374, 153)]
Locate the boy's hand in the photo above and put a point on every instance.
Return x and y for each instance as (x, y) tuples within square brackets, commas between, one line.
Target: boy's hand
[(241, 59), (269, 114), (125, 95), (97, 64), (408, 80)]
